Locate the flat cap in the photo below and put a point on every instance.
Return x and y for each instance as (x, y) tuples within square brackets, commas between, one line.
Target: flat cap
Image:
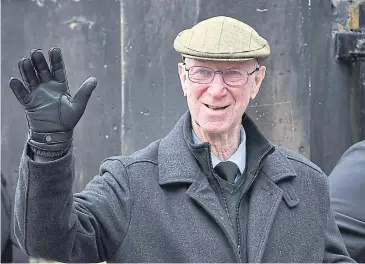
[(223, 39)]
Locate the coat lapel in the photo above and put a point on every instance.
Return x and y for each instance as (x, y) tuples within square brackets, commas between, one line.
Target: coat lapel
[(264, 202), (271, 187), (201, 192), (177, 164)]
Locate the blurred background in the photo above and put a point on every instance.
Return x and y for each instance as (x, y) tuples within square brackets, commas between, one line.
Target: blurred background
[(310, 101)]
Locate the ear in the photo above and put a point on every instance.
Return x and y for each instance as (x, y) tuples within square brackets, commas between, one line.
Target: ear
[(183, 76), (259, 77)]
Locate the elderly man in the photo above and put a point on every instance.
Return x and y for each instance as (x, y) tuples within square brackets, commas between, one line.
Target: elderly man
[(213, 190)]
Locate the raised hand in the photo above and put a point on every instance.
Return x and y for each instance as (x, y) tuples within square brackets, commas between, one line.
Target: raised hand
[(51, 111)]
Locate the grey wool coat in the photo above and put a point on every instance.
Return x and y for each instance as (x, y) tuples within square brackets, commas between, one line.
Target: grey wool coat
[(157, 205)]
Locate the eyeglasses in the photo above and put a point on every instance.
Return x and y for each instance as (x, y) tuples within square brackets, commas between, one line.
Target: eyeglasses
[(231, 77)]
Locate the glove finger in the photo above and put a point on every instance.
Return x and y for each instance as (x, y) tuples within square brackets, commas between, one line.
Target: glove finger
[(83, 94), (57, 65), (28, 73), (19, 90), (41, 66)]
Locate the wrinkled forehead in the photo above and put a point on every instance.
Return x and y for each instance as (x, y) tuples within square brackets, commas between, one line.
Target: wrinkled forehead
[(221, 64)]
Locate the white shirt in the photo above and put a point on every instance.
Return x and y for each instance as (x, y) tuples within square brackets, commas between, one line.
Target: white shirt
[(238, 157)]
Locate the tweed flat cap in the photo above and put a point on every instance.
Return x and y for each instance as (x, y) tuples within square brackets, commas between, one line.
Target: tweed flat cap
[(223, 39)]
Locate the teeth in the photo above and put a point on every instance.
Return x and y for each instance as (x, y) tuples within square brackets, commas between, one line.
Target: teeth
[(215, 107)]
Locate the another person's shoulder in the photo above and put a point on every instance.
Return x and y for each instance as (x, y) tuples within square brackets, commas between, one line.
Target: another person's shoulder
[(351, 166), (347, 180), (355, 153), (357, 146)]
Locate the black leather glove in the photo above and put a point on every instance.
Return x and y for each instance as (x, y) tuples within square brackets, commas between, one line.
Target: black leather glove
[(51, 112)]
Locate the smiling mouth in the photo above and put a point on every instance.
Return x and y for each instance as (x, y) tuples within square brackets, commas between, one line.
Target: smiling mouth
[(216, 107)]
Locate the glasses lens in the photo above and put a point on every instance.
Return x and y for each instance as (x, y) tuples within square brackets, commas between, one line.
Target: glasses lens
[(201, 74), (234, 78)]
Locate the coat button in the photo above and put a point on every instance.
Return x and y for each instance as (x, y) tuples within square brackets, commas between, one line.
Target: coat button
[(48, 138)]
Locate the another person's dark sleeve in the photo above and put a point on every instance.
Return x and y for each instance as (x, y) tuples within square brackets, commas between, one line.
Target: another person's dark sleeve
[(347, 194)]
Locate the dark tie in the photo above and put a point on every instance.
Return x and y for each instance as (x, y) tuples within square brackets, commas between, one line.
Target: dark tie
[(227, 170)]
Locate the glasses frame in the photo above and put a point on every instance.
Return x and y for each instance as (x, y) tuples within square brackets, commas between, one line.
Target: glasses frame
[(219, 72)]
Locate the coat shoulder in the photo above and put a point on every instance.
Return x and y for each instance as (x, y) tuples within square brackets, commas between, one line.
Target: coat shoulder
[(147, 154), (298, 161), (144, 156), (310, 180)]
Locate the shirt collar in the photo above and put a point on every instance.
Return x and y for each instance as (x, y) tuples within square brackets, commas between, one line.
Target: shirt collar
[(238, 157)]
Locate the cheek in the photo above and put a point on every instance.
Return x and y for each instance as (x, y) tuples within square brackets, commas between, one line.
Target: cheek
[(193, 97), (194, 91), (241, 95), (242, 98)]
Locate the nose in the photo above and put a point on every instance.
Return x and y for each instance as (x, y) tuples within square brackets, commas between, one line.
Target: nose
[(217, 85)]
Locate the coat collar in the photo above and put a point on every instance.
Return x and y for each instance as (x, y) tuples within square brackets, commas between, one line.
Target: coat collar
[(176, 162), (180, 160)]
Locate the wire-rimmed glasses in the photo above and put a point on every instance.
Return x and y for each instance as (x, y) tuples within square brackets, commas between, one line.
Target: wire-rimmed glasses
[(231, 77)]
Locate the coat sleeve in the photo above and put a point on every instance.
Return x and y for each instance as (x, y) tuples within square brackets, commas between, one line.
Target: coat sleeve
[(347, 185), (52, 223)]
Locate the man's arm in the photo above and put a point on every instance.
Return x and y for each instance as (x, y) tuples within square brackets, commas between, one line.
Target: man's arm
[(49, 221), (347, 193), (53, 224)]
